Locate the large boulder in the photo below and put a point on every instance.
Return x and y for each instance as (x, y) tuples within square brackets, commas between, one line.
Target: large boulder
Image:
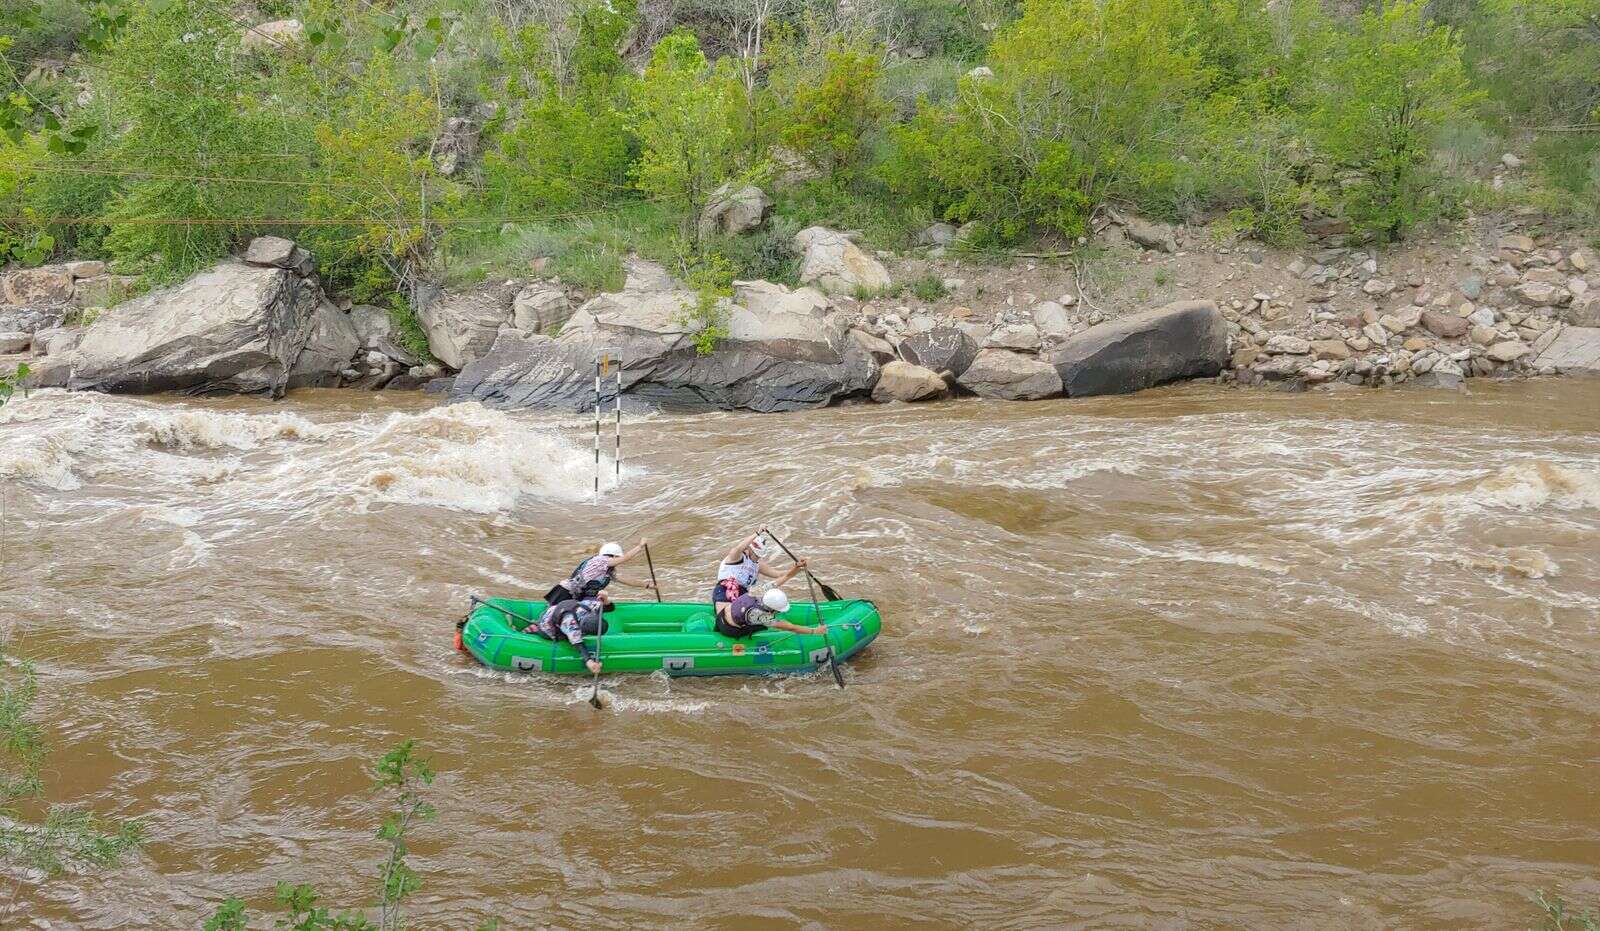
[(232, 328), (462, 325), (734, 209), (1155, 236), (46, 285), (941, 349), (1012, 376), (53, 341), (775, 357), (1574, 351), (540, 308), (376, 331), (1185, 339), (329, 347), (902, 381), (836, 265)]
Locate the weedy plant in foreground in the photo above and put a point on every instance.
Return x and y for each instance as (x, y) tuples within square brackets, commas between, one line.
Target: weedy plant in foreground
[(402, 776), (10, 383), (39, 842), (1560, 916)]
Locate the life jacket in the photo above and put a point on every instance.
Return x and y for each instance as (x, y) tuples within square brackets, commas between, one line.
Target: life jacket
[(748, 615), (586, 581), (744, 572)]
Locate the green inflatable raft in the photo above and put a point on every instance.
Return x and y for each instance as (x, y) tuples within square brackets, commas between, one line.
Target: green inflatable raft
[(676, 638)]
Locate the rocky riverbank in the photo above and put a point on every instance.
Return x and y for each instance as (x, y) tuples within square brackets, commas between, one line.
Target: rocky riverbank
[(1490, 304)]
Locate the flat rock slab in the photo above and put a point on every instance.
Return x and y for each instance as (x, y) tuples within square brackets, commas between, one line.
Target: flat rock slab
[(1574, 351), (1186, 339)]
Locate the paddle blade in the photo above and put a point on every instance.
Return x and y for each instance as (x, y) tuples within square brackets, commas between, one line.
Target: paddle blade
[(833, 663), (594, 697), (827, 591)]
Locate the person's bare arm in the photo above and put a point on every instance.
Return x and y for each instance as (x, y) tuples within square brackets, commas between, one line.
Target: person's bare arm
[(789, 573), (630, 554), (795, 629), (735, 554), (648, 586)]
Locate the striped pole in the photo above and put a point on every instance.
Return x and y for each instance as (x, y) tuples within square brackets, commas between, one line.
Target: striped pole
[(619, 423), (597, 431)]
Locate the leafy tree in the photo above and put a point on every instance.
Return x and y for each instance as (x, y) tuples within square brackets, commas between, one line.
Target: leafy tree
[(684, 115), (187, 119), (1082, 94), (569, 143), (831, 118), (1387, 88), (378, 174)]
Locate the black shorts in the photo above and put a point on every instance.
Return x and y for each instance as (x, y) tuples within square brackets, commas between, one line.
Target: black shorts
[(728, 630)]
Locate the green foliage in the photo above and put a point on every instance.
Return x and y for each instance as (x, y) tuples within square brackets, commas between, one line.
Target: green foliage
[(927, 287), (710, 276), (685, 115), (63, 837), (1083, 95), (408, 331), (829, 119), (1558, 915), (1388, 87), (187, 116), (568, 144), (378, 173), (402, 776), (950, 27), (8, 387)]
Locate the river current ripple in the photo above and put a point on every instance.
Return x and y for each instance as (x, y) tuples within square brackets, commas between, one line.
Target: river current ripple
[(1193, 658)]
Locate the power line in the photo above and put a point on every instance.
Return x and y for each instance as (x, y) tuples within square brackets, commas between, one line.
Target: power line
[(324, 221), (163, 176)]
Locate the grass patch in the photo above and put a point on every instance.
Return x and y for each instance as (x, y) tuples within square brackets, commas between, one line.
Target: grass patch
[(586, 252), (408, 331), (877, 214), (927, 287)]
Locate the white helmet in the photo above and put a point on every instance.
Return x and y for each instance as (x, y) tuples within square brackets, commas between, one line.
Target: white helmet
[(758, 547), (775, 600), (611, 549)]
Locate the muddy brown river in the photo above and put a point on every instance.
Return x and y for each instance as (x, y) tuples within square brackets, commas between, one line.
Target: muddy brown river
[(1196, 658)]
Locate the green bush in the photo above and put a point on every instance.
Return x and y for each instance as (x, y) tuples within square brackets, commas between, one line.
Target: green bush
[(1084, 94), (685, 114), (1388, 86), (830, 118)]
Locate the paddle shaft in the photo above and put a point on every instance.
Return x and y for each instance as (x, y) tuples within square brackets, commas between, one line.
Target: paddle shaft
[(511, 614), (652, 564), (816, 605), (826, 590), (599, 639)]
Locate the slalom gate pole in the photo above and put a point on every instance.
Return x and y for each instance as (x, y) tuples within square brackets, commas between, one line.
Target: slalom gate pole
[(618, 454), (597, 431)]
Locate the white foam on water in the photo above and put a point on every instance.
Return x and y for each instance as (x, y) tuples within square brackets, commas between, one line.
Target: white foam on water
[(47, 463), (1527, 486), (204, 429), (1524, 561), (470, 458)]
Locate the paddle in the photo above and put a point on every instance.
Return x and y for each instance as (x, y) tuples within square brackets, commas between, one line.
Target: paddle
[(826, 588), (652, 564), (812, 583), (511, 614), (599, 637)]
